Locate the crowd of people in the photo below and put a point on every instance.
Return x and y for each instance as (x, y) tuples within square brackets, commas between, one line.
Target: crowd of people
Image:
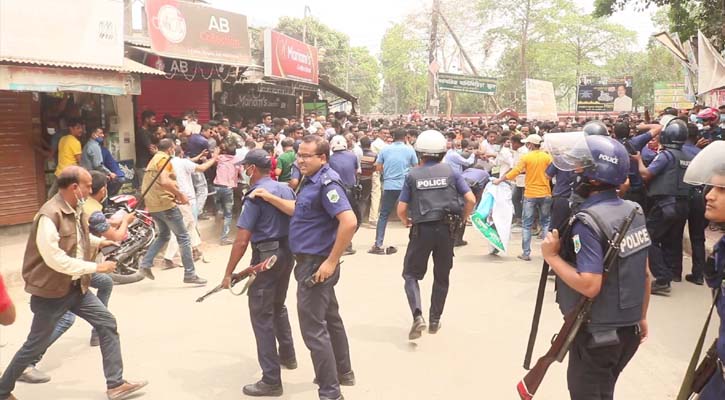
[(304, 187)]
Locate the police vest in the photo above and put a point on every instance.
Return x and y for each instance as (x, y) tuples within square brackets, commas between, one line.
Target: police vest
[(671, 181), (620, 301), (433, 193)]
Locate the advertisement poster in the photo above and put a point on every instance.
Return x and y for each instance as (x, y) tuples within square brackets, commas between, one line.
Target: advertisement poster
[(540, 101), (597, 94), (670, 94), (289, 58), (193, 31)]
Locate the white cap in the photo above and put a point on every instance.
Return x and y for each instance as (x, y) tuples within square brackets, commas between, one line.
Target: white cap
[(338, 142), (533, 138)]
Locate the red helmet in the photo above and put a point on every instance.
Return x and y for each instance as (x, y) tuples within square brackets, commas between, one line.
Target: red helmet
[(708, 114)]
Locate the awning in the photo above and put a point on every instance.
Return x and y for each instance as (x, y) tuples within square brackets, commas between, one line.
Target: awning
[(327, 86), (44, 79), (129, 66)]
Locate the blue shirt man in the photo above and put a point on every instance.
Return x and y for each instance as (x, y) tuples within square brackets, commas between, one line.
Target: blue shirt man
[(564, 181), (457, 161), (394, 161), (267, 229), (345, 163), (196, 145), (476, 177), (321, 227)]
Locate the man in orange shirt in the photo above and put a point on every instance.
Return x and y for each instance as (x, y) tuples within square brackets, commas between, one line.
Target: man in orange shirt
[(537, 190), (69, 151)]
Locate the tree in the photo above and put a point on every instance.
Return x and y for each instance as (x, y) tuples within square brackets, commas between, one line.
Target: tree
[(404, 64), (352, 68)]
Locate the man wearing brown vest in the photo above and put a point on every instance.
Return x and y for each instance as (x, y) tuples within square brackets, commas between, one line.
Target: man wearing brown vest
[(57, 276)]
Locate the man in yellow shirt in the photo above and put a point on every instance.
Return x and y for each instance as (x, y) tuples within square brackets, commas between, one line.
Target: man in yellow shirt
[(69, 150), (537, 190)]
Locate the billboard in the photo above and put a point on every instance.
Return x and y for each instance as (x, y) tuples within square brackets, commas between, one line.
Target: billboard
[(598, 94), (288, 58), (670, 94), (196, 32), (73, 33), (540, 101), (466, 83)]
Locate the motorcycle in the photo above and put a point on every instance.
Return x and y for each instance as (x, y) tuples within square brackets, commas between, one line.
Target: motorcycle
[(141, 232)]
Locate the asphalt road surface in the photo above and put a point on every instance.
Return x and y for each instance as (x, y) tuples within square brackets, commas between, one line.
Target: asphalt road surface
[(191, 351)]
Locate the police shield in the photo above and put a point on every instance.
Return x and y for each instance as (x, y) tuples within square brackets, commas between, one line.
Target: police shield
[(708, 166), (569, 150)]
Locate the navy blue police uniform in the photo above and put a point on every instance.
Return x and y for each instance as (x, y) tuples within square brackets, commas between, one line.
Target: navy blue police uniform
[(267, 294), (434, 194), (610, 337), (560, 204), (715, 387), (313, 227)]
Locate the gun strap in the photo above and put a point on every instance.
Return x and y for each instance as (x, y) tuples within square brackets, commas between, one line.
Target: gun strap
[(686, 388)]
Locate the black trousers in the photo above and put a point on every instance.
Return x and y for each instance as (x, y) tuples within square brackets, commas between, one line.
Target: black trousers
[(517, 198), (478, 193), (268, 313), (560, 211), (364, 203), (321, 325), (637, 195), (47, 312), (593, 372), (427, 238), (666, 224), (696, 225)]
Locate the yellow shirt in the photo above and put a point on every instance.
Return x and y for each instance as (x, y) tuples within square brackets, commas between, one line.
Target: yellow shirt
[(68, 148), (158, 199), (537, 182)]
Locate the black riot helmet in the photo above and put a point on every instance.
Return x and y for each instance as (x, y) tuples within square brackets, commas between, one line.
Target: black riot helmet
[(674, 135), (593, 128)]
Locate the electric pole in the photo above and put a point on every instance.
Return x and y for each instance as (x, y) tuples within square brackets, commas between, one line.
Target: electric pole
[(433, 102)]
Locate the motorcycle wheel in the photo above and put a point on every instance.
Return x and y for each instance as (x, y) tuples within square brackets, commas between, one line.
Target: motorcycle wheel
[(120, 279)]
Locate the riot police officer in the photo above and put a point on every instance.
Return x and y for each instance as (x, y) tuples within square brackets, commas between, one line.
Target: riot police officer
[(267, 229), (634, 189), (708, 168), (322, 225), (617, 322), (669, 196), (434, 201)]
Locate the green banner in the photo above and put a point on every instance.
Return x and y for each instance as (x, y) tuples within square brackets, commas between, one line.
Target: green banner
[(466, 83)]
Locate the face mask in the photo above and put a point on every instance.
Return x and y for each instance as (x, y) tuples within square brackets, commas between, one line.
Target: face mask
[(722, 118), (99, 140), (693, 118), (81, 200), (246, 176)]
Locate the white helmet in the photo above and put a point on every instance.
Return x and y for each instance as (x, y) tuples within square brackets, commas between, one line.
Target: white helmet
[(338, 142), (431, 142)]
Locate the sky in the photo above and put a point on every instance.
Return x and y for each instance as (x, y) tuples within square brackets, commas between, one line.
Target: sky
[(365, 22)]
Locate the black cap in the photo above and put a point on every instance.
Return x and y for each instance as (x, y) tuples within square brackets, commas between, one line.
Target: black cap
[(259, 158)]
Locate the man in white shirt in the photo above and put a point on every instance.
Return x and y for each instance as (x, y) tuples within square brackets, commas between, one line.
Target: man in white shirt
[(184, 168), (57, 275), (376, 192), (518, 195)]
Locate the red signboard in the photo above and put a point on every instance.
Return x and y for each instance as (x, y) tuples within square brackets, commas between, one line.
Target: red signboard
[(197, 32), (288, 58)]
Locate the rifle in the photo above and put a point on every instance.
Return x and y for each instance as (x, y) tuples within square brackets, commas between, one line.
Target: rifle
[(706, 369), (573, 321), (251, 273), (539, 303)]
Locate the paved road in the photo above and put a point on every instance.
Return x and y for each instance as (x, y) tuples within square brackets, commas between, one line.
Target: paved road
[(191, 351)]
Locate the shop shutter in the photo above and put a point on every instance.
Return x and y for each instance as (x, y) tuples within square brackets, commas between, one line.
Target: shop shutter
[(174, 97), (21, 180)]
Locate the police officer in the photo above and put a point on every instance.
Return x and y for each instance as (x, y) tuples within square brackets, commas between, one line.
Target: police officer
[(346, 164), (696, 221), (322, 225), (708, 168), (267, 229), (433, 202), (634, 188), (617, 321), (669, 196), (477, 178)]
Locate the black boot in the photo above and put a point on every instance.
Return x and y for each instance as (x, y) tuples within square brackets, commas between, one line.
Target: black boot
[(434, 327), (417, 329), (261, 388)]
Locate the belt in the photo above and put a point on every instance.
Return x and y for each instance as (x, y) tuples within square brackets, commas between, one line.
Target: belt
[(299, 257)]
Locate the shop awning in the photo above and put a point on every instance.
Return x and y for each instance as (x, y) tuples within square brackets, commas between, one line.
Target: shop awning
[(129, 66), (46, 79), (327, 86)]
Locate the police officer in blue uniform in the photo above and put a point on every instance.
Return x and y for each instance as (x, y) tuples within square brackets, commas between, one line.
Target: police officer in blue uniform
[(477, 178), (346, 164), (322, 225), (708, 168), (669, 196), (267, 229), (433, 203), (634, 189), (617, 321)]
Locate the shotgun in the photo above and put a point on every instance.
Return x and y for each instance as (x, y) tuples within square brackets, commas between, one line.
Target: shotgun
[(250, 272)]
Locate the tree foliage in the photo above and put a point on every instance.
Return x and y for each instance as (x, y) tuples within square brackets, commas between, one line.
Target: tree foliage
[(404, 63)]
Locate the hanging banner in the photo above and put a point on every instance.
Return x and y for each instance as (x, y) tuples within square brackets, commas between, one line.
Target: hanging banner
[(41, 79), (73, 33), (670, 94), (466, 83), (288, 58), (540, 101), (193, 31), (598, 94)]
